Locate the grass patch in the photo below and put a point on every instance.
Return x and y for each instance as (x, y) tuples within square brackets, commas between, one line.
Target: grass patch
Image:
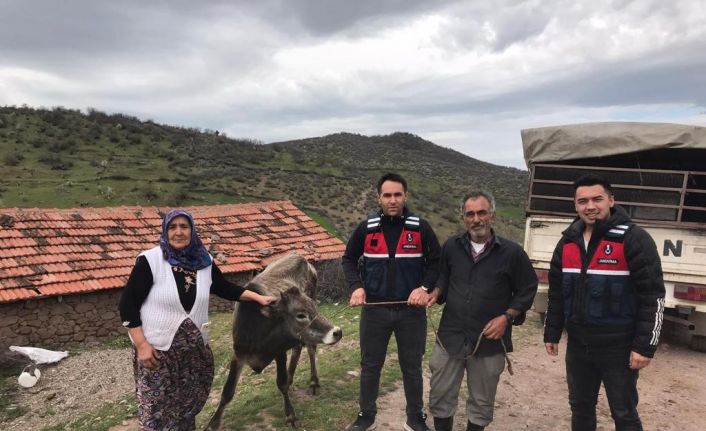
[(117, 342), (258, 400), (514, 213), (213, 198), (8, 390), (323, 221)]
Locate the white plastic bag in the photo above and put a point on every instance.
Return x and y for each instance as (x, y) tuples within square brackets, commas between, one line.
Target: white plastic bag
[(40, 356), (29, 377)]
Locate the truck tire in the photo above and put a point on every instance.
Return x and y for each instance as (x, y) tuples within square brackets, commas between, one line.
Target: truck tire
[(698, 343)]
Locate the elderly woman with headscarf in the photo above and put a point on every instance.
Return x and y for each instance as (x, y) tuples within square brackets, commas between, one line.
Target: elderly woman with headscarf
[(165, 307)]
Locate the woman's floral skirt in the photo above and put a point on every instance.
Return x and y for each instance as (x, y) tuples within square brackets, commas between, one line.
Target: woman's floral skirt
[(171, 395)]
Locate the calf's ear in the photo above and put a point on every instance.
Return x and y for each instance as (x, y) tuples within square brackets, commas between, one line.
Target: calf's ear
[(292, 292)]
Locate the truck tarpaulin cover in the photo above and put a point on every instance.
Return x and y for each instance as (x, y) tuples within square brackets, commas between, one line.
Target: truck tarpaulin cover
[(580, 141)]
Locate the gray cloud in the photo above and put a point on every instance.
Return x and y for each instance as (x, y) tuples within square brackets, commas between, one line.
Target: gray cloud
[(460, 73), (322, 18)]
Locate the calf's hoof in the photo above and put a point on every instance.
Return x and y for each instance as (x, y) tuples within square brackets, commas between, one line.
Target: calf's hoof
[(292, 421), (314, 389), (213, 424)]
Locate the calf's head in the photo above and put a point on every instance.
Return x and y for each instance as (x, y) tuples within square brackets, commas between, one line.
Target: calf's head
[(301, 319)]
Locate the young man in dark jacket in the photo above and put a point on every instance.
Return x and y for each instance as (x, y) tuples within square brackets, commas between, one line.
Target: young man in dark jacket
[(606, 290), (400, 266), (487, 283)]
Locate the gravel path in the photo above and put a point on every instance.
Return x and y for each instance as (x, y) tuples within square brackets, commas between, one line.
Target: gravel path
[(74, 386)]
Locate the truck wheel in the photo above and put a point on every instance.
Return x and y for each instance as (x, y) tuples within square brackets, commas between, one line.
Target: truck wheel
[(698, 343)]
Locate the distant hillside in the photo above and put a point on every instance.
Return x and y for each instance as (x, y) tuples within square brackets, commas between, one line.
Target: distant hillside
[(64, 158)]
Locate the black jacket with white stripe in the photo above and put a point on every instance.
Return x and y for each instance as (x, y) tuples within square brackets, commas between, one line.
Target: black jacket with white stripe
[(646, 293)]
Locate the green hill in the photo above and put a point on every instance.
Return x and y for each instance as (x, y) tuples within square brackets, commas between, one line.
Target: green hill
[(64, 158)]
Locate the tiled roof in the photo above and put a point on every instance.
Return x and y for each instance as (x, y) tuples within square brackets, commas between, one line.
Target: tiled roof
[(49, 252)]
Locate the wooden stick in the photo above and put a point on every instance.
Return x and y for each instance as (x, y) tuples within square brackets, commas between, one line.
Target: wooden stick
[(385, 303)]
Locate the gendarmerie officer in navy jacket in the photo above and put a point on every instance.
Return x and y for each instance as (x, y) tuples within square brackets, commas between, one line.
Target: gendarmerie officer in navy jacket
[(606, 290), (400, 255)]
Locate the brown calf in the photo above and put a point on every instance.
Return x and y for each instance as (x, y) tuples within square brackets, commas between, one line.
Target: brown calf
[(261, 335)]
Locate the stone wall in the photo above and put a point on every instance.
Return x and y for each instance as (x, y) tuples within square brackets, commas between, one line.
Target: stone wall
[(60, 321), (220, 304), (331, 285)]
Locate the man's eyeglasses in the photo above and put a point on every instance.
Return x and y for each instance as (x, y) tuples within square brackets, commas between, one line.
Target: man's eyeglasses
[(480, 214)]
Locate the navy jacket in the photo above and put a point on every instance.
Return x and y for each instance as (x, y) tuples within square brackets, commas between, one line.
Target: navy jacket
[(392, 228), (641, 298)]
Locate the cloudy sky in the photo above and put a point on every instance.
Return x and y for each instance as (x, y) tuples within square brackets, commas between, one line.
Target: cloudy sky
[(468, 75)]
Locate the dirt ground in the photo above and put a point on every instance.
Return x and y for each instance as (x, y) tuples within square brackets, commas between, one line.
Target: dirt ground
[(672, 391)]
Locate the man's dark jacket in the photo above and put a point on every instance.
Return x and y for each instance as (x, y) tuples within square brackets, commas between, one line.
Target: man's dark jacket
[(647, 288), (477, 292), (392, 229)]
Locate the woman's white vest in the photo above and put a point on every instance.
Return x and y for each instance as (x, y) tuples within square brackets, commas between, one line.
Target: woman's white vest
[(162, 312)]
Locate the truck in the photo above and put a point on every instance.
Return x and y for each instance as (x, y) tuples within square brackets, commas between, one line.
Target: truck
[(658, 174)]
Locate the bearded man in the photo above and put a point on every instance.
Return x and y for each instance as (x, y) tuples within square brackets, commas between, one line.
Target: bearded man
[(487, 283)]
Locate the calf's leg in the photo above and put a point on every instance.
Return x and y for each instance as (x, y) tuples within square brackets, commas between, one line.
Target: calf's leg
[(293, 362), (236, 367), (314, 380), (281, 361)]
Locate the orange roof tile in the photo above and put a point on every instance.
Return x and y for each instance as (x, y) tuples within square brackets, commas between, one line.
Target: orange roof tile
[(50, 252), (12, 295)]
